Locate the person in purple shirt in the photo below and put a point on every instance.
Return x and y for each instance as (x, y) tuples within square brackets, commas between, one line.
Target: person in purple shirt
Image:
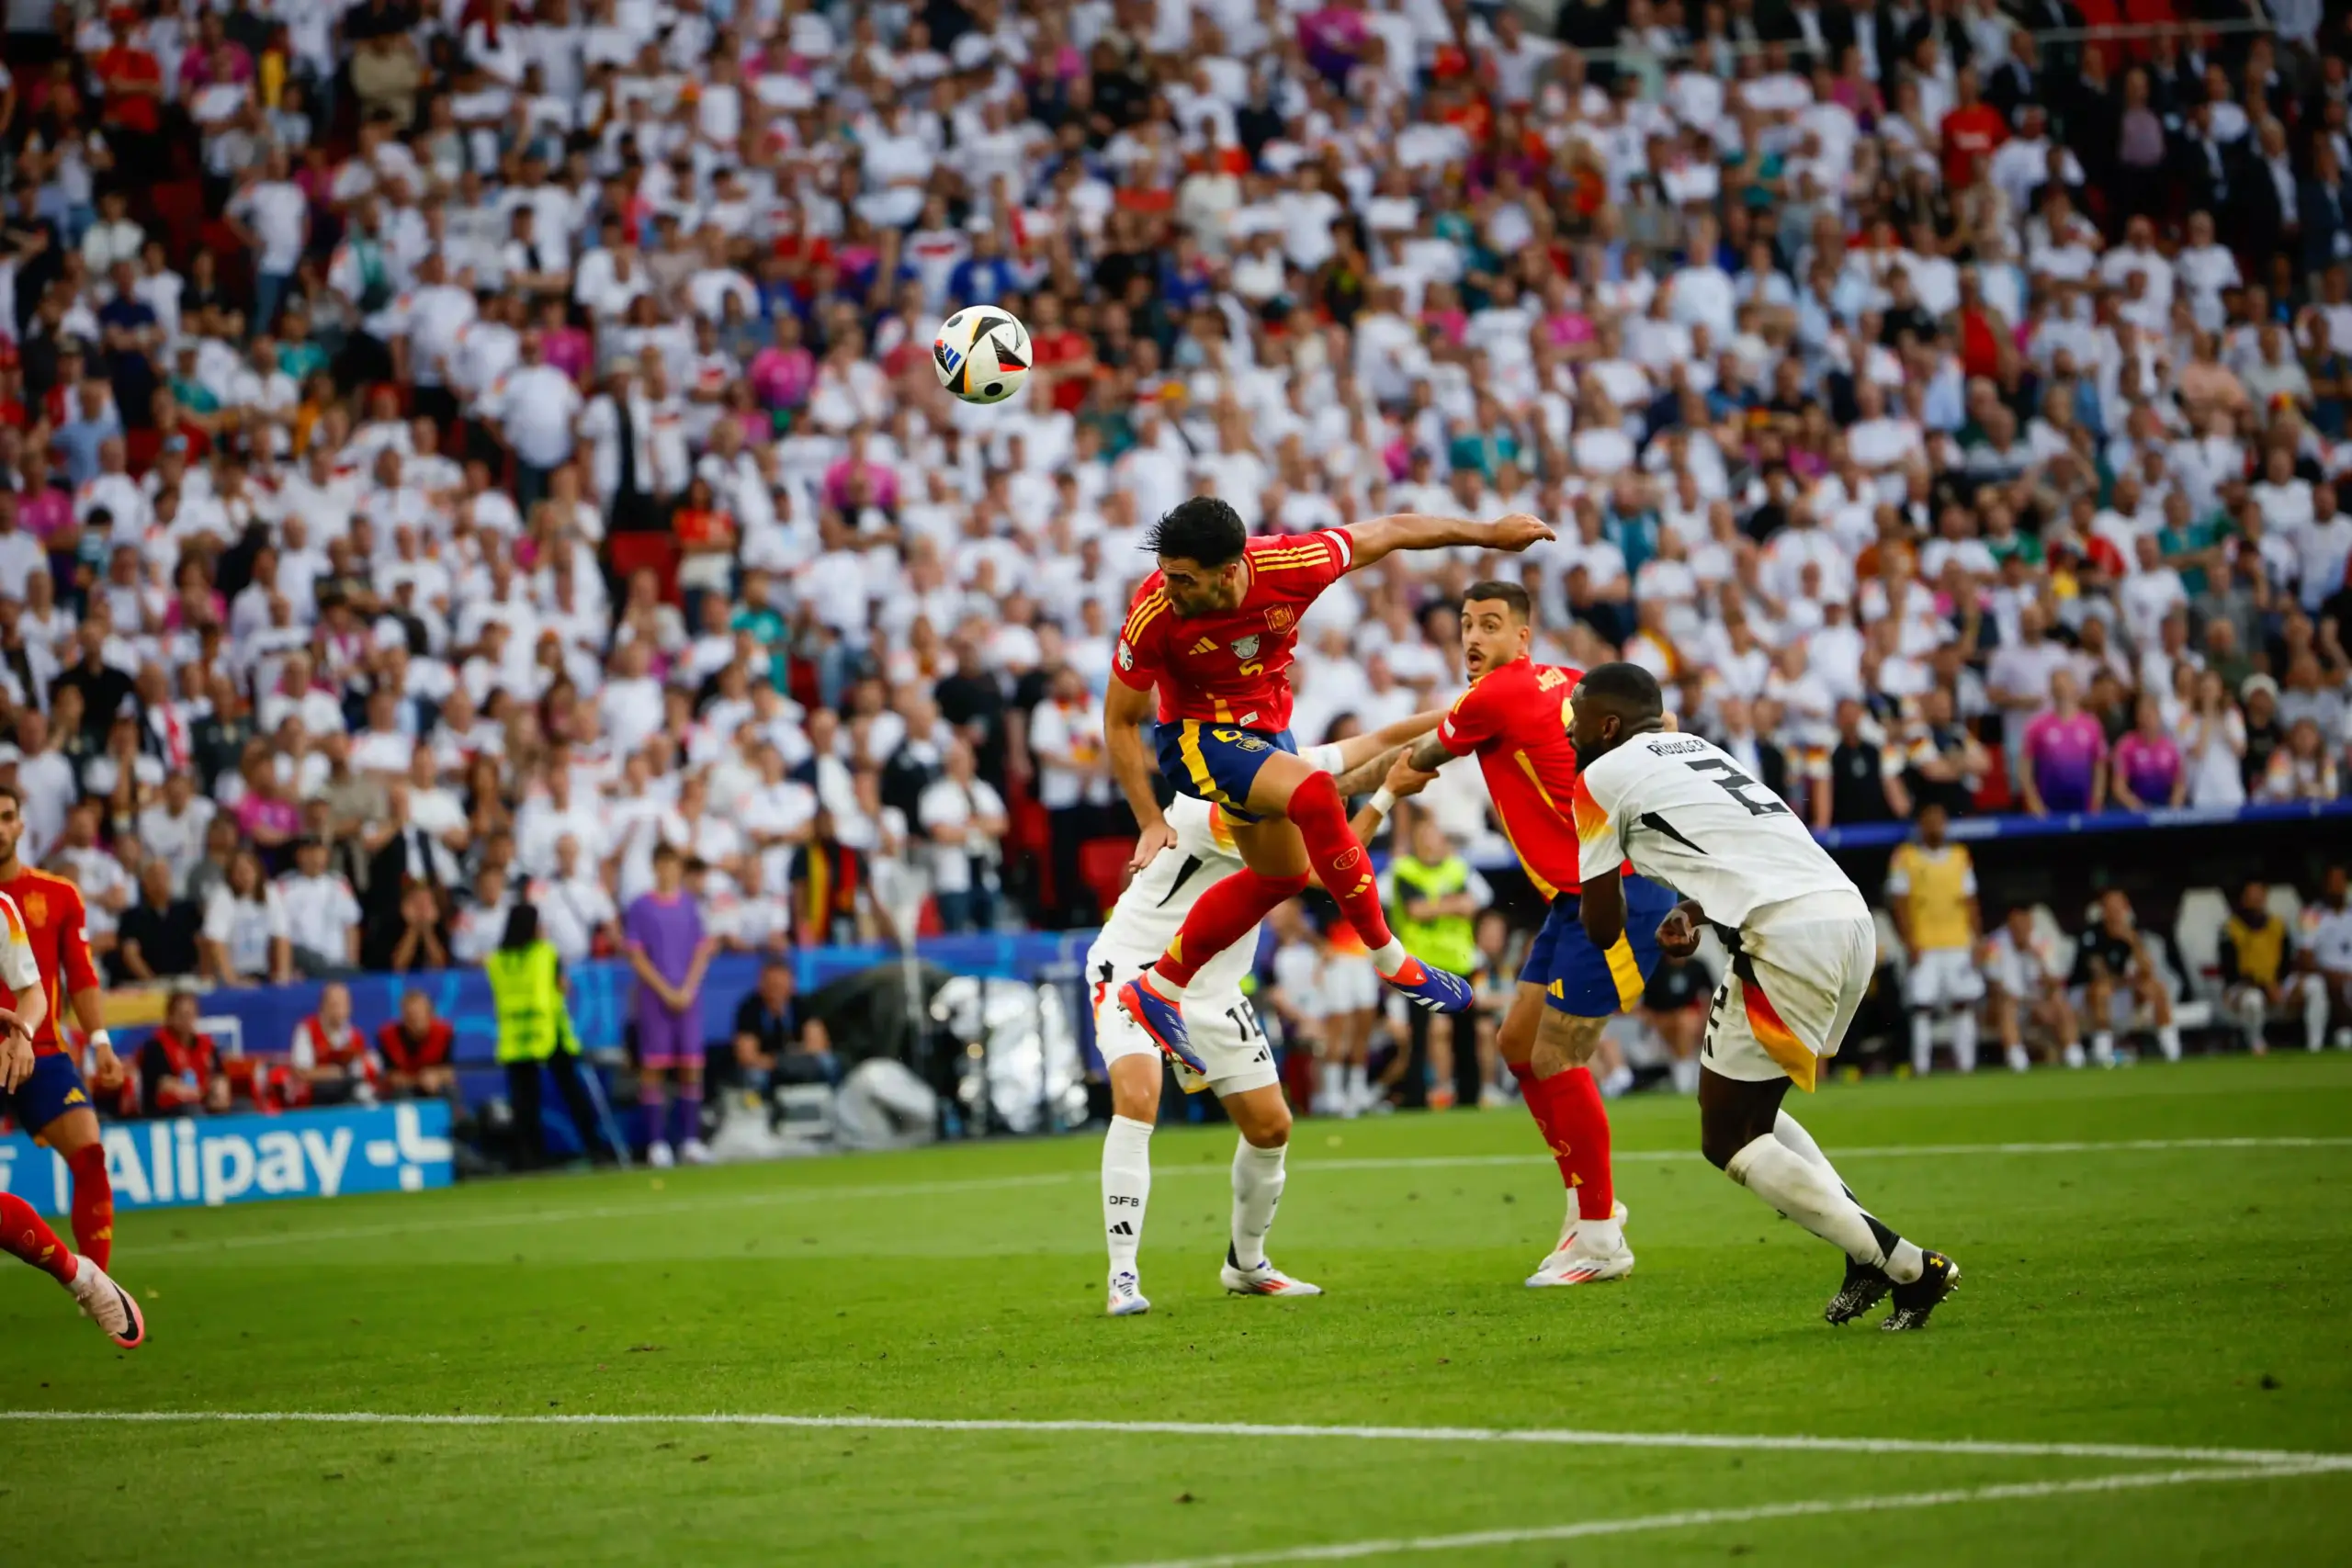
[(668, 948), (2065, 754), (2146, 769)]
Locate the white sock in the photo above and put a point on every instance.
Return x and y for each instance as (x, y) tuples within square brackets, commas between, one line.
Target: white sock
[(1963, 1039), (1256, 1188), (2018, 1061), (2314, 1016), (1127, 1188), (1685, 1073), (2169, 1041), (2073, 1054), (1810, 1195), (1922, 1042), (1617, 1082), (2103, 1048), (1389, 957), (1352, 1084), (1791, 1134)]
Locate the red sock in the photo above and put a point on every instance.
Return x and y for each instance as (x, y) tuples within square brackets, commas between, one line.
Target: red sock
[(1321, 817), (92, 1204), (1223, 917), (25, 1233), (1567, 1108)]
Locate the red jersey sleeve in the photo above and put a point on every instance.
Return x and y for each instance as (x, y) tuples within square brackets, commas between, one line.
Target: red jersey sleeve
[(1137, 660), (1302, 565), (76, 966), (1475, 718)]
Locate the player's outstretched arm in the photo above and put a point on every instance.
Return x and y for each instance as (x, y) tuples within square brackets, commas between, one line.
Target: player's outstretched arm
[(1124, 711), (1368, 542), (1360, 761)]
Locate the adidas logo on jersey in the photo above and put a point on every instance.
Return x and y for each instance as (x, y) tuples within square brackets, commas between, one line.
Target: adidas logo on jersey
[(1206, 645)]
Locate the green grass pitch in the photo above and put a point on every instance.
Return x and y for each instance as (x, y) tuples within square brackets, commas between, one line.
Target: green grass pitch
[(2170, 1297)]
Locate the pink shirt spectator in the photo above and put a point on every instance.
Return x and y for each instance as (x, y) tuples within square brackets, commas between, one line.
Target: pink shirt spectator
[(258, 814), (2150, 769), (2064, 754), (46, 515), (780, 377), (568, 349)]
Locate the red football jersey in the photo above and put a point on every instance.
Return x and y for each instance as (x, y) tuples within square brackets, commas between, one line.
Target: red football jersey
[(1232, 668), (1516, 719), (58, 926)]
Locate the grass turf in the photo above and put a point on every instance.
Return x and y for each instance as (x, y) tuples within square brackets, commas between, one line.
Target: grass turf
[(2166, 1296)]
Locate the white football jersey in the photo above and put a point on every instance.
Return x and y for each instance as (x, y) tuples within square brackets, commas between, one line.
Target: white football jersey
[(1152, 909), (1686, 815), (19, 970)]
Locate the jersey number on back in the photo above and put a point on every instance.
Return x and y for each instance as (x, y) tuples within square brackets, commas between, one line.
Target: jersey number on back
[(1735, 784)]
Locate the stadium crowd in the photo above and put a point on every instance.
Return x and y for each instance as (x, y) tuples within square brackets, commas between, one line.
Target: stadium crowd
[(448, 451)]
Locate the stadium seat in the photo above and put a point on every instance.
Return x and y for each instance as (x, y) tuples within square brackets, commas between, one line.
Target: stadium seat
[(1102, 867), (2198, 935)]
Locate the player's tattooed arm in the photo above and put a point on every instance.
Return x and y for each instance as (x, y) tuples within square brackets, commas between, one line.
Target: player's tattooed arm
[(1365, 777)]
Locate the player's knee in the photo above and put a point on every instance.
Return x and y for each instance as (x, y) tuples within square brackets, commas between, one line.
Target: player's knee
[(1315, 795), (1270, 1131), (1286, 886), (1721, 1137)]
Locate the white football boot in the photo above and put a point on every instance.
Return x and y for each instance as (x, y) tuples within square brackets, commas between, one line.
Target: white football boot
[(107, 1305), (1567, 1265), (693, 1151), (660, 1155), (1126, 1296), (1265, 1280)]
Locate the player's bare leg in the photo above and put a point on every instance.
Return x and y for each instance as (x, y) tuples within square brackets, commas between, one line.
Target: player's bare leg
[(1546, 1052), (2098, 1001), (2158, 1001), (74, 1137), (1303, 825), (1741, 1133)]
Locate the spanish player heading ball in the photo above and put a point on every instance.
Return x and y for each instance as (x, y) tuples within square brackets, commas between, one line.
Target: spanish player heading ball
[(1514, 719), (23, 1233), (1804, 948), (51, 1104), (1212, 629)]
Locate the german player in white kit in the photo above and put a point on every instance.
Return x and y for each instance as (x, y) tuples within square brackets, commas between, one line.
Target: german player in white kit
[(1222, 1028), (1804, 947)]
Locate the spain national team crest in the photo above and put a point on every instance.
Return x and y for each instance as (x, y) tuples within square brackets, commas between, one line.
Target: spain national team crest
[(1246, 648), (1278, 619)]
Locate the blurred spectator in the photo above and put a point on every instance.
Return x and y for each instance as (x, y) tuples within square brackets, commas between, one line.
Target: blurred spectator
[(247, 940), (776, 1041), (2115, 965), (179, 1067), (2065, 756), (964, 818), (329, 1056), (321, 913), (2258, 978), (2029, 992), (415, 1050), (1434, 898), (157, 939)]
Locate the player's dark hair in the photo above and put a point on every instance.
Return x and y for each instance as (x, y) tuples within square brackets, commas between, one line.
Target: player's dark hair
[(1495, 592), (1629, 690), (1203, 529), (16, 796), (522, 927)]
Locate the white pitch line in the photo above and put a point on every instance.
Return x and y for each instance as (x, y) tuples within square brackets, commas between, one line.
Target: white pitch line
[(1695, 1517), (2276, 1459), (536, 1219)]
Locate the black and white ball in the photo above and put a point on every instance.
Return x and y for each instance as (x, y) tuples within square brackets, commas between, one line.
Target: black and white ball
[(981, 354)]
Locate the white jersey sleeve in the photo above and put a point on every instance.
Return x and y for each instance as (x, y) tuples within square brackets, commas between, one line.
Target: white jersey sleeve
[(1686, 815), (1152, 909), (19, 969)]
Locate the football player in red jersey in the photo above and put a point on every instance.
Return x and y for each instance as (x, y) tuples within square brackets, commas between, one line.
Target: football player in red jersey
[(23, 1233), (1212, 629), (52, 1104), (1514, 719)]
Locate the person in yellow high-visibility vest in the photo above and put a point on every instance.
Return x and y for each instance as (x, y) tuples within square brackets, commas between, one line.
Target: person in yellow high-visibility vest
[(534, 1031), (1434, 898)]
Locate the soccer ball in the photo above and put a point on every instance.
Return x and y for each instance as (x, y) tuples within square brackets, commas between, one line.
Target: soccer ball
[(981, 355)]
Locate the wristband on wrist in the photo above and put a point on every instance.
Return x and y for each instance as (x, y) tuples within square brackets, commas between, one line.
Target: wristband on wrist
[(100, 1037), (1382, 802)]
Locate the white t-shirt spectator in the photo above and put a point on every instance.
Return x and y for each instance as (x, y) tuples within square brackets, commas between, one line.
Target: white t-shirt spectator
[(947, 803), (535, 405), (246, 927), (320, 912)]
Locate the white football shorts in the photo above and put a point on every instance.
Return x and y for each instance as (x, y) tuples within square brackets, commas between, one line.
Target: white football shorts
[(1792, 989), (1223, 1032), (1944, 978)]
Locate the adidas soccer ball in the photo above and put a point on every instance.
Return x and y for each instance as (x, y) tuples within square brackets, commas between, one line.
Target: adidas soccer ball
[(981, 355)]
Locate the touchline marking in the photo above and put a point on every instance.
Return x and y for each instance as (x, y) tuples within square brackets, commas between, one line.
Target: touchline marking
[(536, 1219), (1694, 1517), (2265, 1459)]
